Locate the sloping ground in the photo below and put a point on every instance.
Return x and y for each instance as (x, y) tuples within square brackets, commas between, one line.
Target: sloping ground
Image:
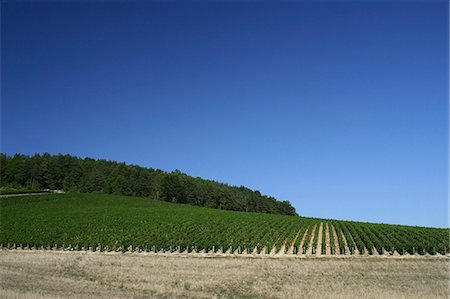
[(42, 274), (99, 222)]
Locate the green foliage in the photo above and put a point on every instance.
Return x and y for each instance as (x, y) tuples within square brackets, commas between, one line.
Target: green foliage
[(87, 220), (120, 223), (309, 228), (330, 233), (87, 175), (315, 239), (341, 242)]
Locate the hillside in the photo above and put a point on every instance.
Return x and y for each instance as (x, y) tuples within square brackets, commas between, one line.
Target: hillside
[(65, 172), (118, 223)]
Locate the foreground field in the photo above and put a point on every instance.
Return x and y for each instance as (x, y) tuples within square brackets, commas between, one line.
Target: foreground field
[(42, 274)]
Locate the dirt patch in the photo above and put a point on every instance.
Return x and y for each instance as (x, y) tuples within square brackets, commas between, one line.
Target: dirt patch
[(282, 249), (302, 242), (327, 240), (336, 240), (309, 250), (23, 194), (319, 240), (291, 247), (347, 249)]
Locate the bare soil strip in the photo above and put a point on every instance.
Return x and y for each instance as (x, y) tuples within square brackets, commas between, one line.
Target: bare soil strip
[(336, 240), (375, 252), (282, 249), (263, 251), (327, 239), (319, 240), (45, 274), (24, 194), (274, 247), (347, 249), (309, 250), (300, 247), (291, 247)]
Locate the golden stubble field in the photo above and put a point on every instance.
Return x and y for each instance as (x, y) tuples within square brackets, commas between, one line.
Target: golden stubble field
[(44, 274)]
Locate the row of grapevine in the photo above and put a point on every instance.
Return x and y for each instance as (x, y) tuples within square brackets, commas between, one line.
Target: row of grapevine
[(298, 242), (348, 237), (307, 240), (116, 223), (339, 233), (331, 237), (316, 238), (324, 239)]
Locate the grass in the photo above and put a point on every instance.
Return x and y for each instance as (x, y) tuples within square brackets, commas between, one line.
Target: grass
[(43, 274)]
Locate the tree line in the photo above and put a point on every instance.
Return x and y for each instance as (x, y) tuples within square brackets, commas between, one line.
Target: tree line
[(73, 174)]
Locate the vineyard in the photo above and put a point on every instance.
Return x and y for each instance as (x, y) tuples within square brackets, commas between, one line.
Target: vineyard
[(100, 222)]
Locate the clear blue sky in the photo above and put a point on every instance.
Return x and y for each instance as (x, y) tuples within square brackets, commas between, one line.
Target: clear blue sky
[(339, 107)]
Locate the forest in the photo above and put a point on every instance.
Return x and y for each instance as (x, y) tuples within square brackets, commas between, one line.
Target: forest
[(74, 174)]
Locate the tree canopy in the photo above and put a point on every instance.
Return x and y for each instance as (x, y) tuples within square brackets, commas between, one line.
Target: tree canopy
[(75, 174)]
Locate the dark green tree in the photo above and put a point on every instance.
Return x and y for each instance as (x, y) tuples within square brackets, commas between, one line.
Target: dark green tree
[(89, 175)]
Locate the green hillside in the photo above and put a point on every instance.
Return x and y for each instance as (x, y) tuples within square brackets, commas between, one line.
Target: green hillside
[(69, 173), (121, 223)]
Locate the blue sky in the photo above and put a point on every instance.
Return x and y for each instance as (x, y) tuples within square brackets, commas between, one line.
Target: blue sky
[(339, 107)]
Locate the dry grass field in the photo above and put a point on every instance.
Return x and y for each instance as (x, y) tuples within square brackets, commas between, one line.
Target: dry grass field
[(43, 274)]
